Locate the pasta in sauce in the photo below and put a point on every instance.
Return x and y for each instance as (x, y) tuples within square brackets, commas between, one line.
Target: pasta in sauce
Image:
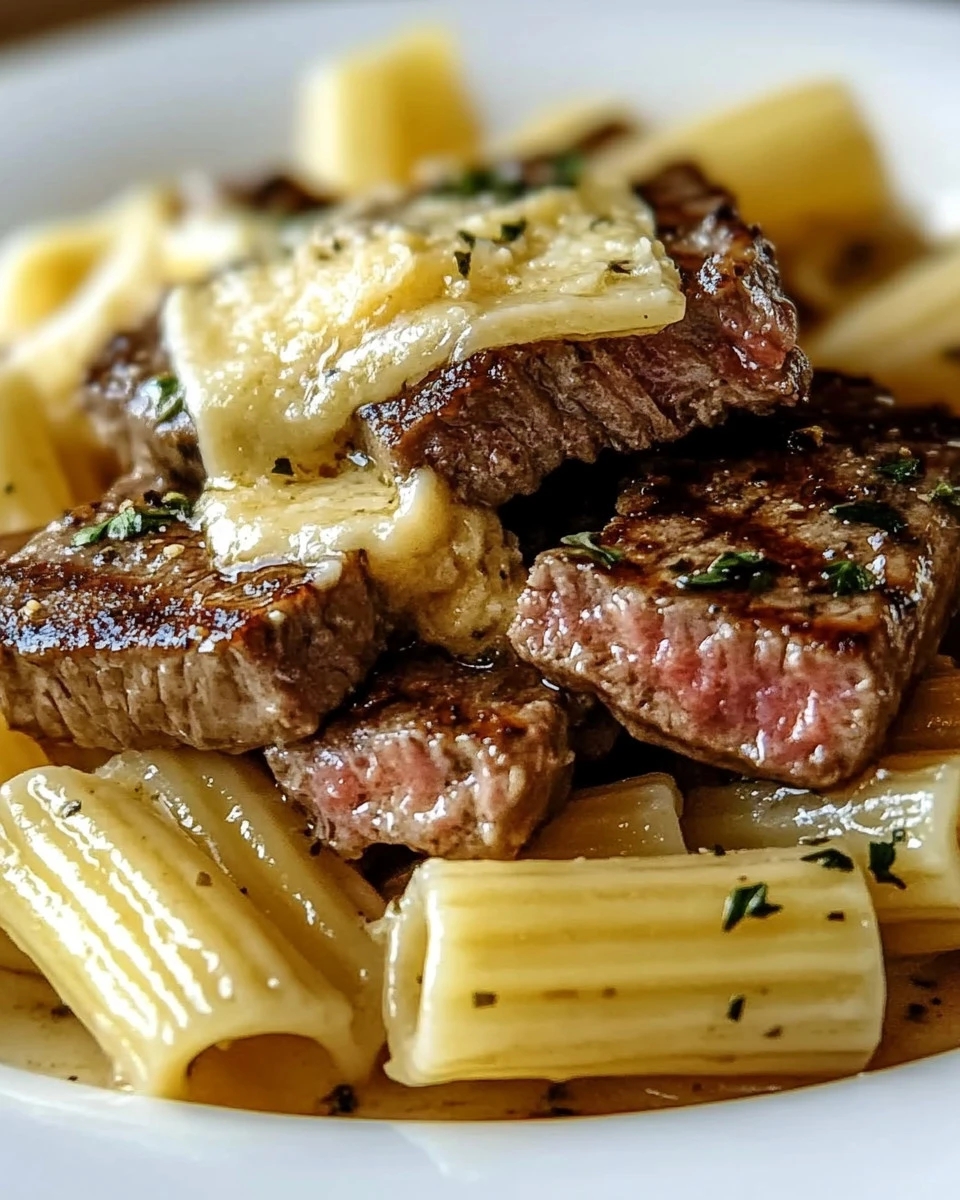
[(667, 938)]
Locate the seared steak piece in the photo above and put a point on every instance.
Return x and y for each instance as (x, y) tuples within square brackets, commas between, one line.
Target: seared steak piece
[(140, 642), (448, 759), (126, 404), (496, 424), (763, 595)]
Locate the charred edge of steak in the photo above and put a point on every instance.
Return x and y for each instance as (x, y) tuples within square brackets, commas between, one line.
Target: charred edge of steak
[(797, 678), (126, 408), (495, 425), (436, 755), (141, 642)]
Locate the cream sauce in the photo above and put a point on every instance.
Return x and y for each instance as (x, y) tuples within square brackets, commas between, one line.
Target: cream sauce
[(278, 1074)]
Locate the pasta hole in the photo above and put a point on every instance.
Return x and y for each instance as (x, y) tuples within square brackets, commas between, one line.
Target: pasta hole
[(271, 1073)]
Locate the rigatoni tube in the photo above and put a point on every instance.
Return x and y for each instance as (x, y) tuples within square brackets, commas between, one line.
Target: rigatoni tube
[(753, 963), (630, 818), (152, 946), (234, 813), (900, 822)]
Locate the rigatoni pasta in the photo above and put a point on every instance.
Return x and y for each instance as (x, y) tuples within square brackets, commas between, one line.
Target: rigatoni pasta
[(900, 822), (630, 818), (150, 943), (234, 813), (755, 963)]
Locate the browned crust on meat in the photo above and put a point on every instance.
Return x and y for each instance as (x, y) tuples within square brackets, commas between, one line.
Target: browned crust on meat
[(124, 411), (794, 683), (496, 424), (437, 755), (142, 643)]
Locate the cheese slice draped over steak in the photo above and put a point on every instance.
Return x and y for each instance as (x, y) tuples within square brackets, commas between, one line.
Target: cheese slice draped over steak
[(276, 356)]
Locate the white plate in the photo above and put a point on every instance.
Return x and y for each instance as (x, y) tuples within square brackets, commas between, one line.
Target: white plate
[(213, 88)]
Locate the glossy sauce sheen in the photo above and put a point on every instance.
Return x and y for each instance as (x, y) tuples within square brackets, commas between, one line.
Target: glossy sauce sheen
[(38, 1034)]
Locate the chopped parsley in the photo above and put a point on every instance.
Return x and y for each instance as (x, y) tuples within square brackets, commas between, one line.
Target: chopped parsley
[(748, 901), (204, 879), (464, 259), (882, 857), (567, 169), (836, 915), (870, 512), (133, 522), (775, 1031), (484, 999), (585, 543), (945, 493), (901, 469), (282, 466), (831, 858), (468, 237), (848, 578), (743, 570), (619, 267), (506, 182), (735, 1008), (166, 392), (511, 230)]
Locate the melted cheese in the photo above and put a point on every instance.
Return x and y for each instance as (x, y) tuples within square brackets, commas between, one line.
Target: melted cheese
[(277, 355), (447, 570)]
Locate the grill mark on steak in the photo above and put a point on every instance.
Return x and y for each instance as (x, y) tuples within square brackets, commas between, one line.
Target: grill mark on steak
[(437, 755), (794, 683), (495, 425), (143, 643)]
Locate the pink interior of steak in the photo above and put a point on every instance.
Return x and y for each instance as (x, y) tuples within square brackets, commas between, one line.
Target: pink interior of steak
[(789, 679)]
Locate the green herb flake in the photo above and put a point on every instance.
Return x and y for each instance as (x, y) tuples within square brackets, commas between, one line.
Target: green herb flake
[(484, 999), (882, 857), (848, 578), (464, 259), (902, 469), (831, 859), (567, 169), (836, 915), (740, 570), (870, 512), (134, 522), (204, 879), (504, 182), (775, 1031), (282, 466), (748, 901), (945, 493), (735, 1008), (586, 544), (619, 267), (468, 237), (511, 230), (166, 393)]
